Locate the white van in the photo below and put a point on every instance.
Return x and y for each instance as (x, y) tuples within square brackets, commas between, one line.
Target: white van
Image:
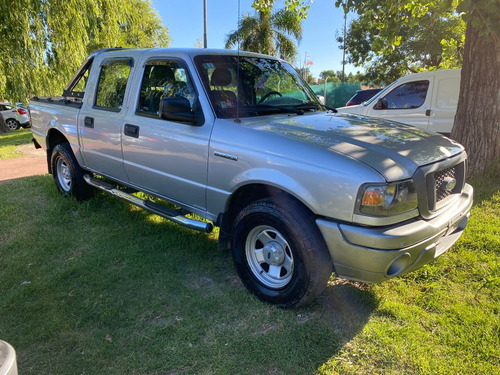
[(426, 100)]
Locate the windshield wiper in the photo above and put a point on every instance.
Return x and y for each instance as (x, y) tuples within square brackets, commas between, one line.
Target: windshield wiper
[(313, 105), (306, 106)]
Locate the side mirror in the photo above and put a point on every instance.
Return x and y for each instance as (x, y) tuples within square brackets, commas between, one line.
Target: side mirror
[(381, 104), (177, 109)]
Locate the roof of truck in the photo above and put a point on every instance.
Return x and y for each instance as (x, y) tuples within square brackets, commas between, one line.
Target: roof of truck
[(188, 51)]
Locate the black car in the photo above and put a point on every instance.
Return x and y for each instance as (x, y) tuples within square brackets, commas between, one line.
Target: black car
[(362, 96)]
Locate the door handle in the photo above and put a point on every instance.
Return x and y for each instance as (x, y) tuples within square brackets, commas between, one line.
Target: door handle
[(88, 122), (132, 130), (428, 112)]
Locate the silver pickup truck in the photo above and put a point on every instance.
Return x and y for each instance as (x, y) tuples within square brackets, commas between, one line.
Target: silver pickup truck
[(297, 190)]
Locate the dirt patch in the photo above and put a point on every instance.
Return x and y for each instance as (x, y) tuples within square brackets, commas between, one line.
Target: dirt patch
[(34, 163)]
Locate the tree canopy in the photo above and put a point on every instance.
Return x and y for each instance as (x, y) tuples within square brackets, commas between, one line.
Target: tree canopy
[(331, 75), (44, 41), (390, 38), (272, 33)]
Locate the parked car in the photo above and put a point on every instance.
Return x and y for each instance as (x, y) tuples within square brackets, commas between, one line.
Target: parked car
[(298, 191), (425, 100), (21, 105), (362, 96), (14, 117)]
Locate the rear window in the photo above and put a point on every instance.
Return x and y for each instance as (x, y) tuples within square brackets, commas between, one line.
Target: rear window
[(112, 84)]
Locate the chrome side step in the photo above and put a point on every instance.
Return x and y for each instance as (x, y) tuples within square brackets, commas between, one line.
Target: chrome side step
[(177, 216)]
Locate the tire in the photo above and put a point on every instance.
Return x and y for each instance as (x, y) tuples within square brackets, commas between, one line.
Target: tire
[(12, 124), (279, 253), (67, 173)]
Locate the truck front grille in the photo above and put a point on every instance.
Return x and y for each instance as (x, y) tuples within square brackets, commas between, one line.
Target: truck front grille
[(441, 180), (445, 184)]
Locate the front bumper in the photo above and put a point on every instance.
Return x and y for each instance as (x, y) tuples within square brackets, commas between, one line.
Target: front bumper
[(375, 254)]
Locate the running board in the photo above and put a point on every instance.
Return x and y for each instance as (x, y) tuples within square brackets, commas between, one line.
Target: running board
[(177, 216)]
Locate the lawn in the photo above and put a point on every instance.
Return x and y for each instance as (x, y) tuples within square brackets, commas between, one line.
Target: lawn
[(10, 141), (102, 287)]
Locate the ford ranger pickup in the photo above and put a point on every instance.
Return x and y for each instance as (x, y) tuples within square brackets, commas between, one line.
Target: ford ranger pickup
[(297, 190)]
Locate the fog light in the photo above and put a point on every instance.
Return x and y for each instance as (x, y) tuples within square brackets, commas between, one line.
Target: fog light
[(398, 265)]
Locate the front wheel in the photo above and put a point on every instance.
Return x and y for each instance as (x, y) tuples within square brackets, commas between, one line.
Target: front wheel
[(68, 175), (279, 253)]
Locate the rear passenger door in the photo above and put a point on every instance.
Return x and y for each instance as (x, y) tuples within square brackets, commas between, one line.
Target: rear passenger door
[(101, 118), (166, 158)]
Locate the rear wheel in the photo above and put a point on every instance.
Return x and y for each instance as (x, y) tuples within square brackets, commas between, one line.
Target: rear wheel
[(12, 124), (68, 175), (279, 252)]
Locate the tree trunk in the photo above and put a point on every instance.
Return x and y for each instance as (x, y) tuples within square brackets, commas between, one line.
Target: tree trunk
[(477, 121), (3, 127)]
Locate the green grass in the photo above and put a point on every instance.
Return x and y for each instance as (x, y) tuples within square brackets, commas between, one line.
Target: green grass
[(10, 141), (102, 287)]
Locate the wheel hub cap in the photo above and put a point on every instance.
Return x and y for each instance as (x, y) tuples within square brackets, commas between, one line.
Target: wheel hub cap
[(63, 175), (269, 256), (274, 254), (65, 172)]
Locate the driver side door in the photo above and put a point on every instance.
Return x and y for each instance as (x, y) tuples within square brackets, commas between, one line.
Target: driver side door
[(166, 158)]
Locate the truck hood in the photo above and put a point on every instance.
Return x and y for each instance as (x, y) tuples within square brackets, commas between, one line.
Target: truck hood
[(393, 149), (358, 109)]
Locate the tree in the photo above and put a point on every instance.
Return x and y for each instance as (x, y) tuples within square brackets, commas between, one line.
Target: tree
[(3, 127), (306, 75), (268, 32), (477, 122), (44, 41), (330, 74), (390, 39)]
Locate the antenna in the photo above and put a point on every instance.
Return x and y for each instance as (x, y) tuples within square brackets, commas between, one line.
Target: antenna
[(205, 43), (237, 120)]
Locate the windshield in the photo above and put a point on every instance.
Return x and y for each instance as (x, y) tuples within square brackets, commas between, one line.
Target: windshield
[(254, 86)]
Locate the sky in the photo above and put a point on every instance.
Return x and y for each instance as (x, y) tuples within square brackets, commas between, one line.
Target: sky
[(184, 20)]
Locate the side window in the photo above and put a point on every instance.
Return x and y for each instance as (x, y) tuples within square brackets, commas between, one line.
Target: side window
[(112, 84), (408, 95), (164, 79)]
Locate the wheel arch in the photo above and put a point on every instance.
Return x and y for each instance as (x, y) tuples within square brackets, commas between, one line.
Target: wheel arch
[(54, 137), (245, 195)]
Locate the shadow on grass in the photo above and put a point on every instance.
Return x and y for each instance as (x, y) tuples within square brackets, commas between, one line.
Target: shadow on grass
[(349, 304)]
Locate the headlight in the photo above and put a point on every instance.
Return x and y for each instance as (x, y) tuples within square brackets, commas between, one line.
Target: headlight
[(387, 199)]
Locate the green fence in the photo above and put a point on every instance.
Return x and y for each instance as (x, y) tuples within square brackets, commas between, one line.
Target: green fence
[(337, 94)]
